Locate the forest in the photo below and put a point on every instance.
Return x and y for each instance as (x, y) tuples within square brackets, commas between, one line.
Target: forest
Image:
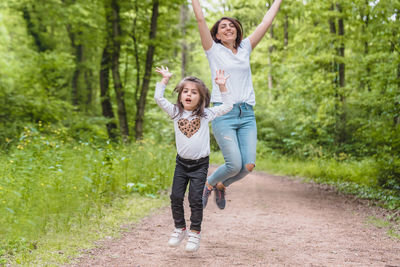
[(79, 126)]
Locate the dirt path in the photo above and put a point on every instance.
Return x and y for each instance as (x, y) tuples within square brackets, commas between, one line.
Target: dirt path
[(268, 221)]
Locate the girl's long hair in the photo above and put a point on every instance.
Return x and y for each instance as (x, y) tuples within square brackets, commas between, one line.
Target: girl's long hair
[(238, 26), (204, 93)]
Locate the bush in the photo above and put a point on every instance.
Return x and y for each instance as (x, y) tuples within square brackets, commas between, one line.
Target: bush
[(389, 172), (51, 182)]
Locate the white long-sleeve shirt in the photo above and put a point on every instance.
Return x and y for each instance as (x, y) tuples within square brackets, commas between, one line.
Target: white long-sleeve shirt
[(192, 134)]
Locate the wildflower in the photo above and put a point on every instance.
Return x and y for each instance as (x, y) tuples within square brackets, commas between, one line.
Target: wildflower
[(11, 161), (8, 140)]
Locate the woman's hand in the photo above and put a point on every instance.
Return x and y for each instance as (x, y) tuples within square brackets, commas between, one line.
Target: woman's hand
[(164, 71), (220, 80)]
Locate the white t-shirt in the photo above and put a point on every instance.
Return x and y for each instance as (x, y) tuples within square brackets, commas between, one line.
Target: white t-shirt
[(192, 134), (239, 83)]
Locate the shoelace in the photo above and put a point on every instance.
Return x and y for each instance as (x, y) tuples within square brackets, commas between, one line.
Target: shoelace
[(221, 192)]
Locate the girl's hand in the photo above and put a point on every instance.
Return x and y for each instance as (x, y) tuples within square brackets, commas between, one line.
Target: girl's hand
[(164, 71), (220, 78)]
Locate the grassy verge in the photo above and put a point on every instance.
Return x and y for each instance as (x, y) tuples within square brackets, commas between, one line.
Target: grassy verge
[(352, 177), (52, 185), (58, 195), (57, 248)]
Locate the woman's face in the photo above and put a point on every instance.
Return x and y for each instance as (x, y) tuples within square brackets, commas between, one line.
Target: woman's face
[(227, 32)]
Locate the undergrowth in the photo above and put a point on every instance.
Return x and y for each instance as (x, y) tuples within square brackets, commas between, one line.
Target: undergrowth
[(52, 183)]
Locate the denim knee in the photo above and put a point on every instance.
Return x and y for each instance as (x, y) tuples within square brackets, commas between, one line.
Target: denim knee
[(232, 168)]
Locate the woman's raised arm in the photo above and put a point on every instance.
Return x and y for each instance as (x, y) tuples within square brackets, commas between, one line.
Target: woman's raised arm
[(205, 35), (262, 28)]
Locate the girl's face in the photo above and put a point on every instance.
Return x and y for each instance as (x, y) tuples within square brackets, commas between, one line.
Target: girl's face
[(190, 96), (227, 32)]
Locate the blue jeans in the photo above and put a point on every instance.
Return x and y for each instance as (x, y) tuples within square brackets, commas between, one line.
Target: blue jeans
[(236, 135)]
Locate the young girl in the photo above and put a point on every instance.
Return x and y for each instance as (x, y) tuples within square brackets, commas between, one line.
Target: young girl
[(191, 116)]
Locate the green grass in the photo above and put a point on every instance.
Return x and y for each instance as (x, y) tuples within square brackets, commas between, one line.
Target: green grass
[(392, 228), (57, 248), (357, 177), (58, 195), (51, 184)]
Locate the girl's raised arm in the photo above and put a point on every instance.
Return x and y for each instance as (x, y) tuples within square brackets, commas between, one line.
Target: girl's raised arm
[(205, 35), (262, 28)]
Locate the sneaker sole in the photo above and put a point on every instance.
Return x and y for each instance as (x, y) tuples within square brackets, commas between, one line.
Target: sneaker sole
[(191, 250), (174, 246)]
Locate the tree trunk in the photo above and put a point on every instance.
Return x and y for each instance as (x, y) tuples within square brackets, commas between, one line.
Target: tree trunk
[(342, 81), (104, 93), (270, 77), (286, 31), (147, 74), (342, 65), (184, 19), (332, 28), (89, 88), (396, 118), (365, 18), (78, 52), (78, 48), (339, 81), (136, 52), (114, 22), (32, 30)]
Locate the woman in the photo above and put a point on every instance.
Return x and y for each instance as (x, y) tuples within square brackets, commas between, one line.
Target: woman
[(236, 131)]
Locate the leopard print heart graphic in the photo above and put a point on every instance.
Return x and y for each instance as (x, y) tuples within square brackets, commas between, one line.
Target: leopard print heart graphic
[(189, 128)]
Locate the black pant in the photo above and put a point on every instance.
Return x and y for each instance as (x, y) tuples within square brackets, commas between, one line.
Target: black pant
[(194, 171)]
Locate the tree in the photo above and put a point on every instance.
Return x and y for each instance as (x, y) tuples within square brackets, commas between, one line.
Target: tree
[(140, 105), (339, 70)]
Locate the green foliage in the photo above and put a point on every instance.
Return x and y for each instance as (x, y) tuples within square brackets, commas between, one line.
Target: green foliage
[(389, 172), (346, 175), (51, 182), (63, 247), (52, 129)]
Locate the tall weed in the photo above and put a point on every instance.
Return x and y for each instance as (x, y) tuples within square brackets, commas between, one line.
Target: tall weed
[(50, 183), (357, 177)]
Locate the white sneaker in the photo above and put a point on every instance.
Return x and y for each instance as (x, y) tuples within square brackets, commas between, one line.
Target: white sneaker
[(193, 242), (177, 236)]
